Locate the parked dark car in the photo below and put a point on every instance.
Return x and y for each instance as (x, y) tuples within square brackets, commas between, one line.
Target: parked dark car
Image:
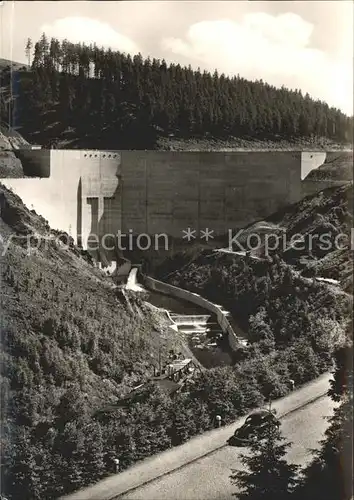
[(253, 427)]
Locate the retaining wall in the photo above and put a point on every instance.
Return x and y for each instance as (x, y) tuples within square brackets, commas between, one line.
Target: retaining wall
[(179, 293)]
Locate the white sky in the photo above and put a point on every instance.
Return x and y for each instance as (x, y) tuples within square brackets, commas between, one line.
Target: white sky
[(306, 45)]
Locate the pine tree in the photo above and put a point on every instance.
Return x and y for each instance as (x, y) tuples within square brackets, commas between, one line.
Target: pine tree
[(28, 50), (342, 382), (268, 475), (164, 97), (329, 475)]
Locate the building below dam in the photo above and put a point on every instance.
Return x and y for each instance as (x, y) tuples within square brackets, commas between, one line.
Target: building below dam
[(94, 194)]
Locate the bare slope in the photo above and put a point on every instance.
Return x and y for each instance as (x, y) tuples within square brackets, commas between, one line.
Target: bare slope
[(10, 166), (251, 144), (72, 345), (337, 167), (10, 138)]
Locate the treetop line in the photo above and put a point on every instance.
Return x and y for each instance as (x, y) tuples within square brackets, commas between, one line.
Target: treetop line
[(106, 93)]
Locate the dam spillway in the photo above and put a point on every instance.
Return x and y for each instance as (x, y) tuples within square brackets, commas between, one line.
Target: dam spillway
[(191, 319), (201, 331), (199, 328)]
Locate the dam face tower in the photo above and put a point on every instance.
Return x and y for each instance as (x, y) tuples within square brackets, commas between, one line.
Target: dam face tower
[(79, 192), (99, 197)]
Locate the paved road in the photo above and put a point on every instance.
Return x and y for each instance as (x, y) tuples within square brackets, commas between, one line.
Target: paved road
[(197, 481), (187, 472)]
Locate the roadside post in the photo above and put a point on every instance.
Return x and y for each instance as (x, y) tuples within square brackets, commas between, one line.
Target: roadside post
[(116, 464)]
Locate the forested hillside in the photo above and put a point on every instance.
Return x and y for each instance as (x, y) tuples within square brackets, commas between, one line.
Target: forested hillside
[(323, 223), (72, 345), (85, 95), (278, 275)]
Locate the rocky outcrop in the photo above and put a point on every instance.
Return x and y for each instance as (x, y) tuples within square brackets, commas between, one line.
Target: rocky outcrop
[(10, 166)]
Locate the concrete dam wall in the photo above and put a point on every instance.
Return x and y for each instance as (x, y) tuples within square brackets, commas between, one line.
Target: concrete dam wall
[(94, 194), (171, 191), (154, 192)]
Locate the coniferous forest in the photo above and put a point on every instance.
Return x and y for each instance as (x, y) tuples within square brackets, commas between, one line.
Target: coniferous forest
[(91, 97)]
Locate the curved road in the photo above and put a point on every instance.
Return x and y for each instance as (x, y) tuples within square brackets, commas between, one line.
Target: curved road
[(188, 472), (208, 478)]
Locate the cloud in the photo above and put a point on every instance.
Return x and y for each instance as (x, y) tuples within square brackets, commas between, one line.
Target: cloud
[(85, 29), (276, 49)]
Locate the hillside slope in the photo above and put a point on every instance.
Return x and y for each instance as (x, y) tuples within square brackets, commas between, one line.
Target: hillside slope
[(69, 339), (322, 222), (275, 266), (335, 168), (10, 166)]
